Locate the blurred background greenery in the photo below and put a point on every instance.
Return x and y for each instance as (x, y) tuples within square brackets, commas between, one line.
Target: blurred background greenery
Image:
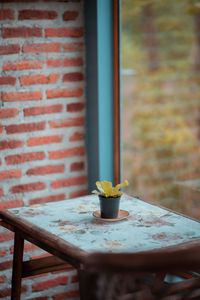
[(160, 57)]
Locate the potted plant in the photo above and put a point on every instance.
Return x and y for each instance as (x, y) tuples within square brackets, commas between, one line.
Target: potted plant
[(109, 198)]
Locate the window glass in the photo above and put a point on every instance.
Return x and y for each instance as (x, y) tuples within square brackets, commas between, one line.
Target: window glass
[(160, 75)]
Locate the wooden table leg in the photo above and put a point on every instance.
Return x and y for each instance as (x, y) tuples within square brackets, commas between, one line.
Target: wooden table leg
[(82, 283), (17, 266), (87, 284)]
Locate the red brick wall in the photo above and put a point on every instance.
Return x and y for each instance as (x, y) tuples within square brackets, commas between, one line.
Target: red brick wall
[(42, 123)]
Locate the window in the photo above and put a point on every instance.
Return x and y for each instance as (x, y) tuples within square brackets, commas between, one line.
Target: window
[(160, 76)]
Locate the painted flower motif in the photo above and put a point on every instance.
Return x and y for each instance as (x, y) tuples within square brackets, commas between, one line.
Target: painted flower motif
[(167, 237), (112, 245)]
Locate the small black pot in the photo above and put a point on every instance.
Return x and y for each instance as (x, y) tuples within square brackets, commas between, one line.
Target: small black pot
[(109, 207)]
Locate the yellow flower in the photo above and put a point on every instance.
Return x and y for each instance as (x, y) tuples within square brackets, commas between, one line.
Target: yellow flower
[(107, 190)]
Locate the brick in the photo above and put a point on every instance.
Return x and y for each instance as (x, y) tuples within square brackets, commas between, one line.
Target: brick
[(38, 298), (22, 96), (2, 279), (72, 62), (51, 198), (9, 174), (35, 276), (39, 79), (62, 93), (49, 283), (28, 187), (74, 76), (76, 151), (4, 266), (8, 113), (70, 15), (7, 292), (43, 140), (80, 193), (41, 110), (21, 32), (41, 48), (46, 170), (22, 65), (33, 14), (74, 107), (7, 80), (2, 252), (74, 278), (24, 157), (66, 295), (11, 144), (64, 32), (54, 62), (9, 49), (25, 127), (61, 0), (60, 183), (77, 166), (27, 247), (67, 122), (74, 47), (1, 192), (11, 204), (46, 254), (10, 1), (66, 62), (4, 237), (77, 136), (6, 14)]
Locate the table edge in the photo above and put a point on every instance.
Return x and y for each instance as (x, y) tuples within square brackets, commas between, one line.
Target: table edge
[(40, 234), (167, 209)]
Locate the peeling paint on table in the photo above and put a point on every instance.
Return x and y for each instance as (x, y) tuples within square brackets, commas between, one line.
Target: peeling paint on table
[(147, 226)]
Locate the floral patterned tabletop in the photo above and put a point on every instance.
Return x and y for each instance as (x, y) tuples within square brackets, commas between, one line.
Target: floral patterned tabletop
[(147, 226)]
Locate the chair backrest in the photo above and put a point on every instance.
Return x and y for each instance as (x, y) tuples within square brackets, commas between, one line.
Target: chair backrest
[(164, 274)]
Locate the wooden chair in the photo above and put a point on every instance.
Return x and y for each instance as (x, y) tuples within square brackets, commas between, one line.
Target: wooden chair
[(165, 274)]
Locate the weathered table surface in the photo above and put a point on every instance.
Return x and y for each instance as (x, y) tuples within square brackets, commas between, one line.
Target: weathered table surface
[(68, 230), (147, 226)]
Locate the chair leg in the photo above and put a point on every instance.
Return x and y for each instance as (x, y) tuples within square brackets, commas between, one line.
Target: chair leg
[(17, 266)]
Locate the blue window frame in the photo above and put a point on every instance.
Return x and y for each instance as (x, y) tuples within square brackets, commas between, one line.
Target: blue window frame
[(99, 91)]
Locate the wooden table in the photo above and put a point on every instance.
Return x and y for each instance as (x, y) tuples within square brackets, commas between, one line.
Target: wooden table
[(68, 230)]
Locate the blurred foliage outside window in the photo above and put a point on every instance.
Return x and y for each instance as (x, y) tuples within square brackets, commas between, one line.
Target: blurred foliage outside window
[(161, 101)]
